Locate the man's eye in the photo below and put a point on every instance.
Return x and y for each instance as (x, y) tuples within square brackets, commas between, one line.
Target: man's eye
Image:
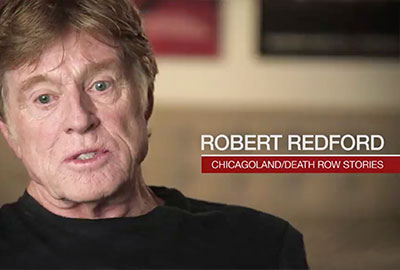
[(44, 99), (101, 86)]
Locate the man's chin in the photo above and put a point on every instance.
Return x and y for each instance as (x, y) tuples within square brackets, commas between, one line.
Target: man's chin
[(89, 195)]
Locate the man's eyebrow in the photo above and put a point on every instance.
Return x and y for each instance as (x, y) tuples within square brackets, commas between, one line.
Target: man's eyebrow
[(28, 83), (94, 68)]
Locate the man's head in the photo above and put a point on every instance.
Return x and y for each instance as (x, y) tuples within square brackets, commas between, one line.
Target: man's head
[(77, 81)]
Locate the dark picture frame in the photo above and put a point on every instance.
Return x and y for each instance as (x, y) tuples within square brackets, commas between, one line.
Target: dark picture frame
[(330, 27)]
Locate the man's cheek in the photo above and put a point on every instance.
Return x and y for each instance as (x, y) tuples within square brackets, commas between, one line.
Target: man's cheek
[(122, 122)]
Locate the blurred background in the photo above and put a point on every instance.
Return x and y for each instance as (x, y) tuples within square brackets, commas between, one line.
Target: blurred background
[(276, 67)]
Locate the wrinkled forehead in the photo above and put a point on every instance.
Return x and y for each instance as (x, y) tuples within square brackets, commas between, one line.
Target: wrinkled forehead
[(69, 56)]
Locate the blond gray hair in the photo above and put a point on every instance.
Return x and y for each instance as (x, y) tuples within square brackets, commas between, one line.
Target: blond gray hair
[(27, 27)]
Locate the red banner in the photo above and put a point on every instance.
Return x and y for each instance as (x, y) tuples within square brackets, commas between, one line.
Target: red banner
[(300, 163)]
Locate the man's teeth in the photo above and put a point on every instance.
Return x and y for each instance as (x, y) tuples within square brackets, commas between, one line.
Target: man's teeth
[(86, 156)]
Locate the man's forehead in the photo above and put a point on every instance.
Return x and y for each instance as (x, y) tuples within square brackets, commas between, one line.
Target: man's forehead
[(72, 53)]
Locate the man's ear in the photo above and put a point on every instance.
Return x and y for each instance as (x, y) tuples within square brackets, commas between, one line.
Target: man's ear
[(9, 137), (150, 103)]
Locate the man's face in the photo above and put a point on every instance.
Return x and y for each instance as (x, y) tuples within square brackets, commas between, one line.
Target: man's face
[(74, 120)]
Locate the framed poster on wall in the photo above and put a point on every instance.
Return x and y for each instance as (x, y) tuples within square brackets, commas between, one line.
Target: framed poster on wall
[(337, 27), (181, 27)]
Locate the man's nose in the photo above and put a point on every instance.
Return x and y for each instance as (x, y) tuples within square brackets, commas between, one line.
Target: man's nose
[(80, 114)]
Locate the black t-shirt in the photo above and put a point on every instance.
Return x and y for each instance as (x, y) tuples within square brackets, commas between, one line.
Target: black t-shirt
[(182, 233)]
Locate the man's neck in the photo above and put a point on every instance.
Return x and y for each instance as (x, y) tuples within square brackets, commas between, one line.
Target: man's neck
[(135, 198)]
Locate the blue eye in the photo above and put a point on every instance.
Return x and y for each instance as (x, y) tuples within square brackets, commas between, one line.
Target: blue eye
[(44, 99), (101, 86)]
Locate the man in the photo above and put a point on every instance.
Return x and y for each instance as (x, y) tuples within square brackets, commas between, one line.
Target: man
[(76, 81)]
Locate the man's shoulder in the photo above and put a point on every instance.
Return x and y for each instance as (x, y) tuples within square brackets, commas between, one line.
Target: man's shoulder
[(10, 224), (237, 214), (257, 236), (8, 210), (260, 224), (9, 217), (234, 213), (263, 233)]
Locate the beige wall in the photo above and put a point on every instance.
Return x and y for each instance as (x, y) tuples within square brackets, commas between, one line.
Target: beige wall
[(348, 221), (240, 77)]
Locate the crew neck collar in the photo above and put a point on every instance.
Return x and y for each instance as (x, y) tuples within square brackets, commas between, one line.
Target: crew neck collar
[(171, 197)]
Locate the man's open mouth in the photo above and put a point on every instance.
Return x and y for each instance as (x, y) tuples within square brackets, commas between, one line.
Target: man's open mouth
[(86, 156)]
